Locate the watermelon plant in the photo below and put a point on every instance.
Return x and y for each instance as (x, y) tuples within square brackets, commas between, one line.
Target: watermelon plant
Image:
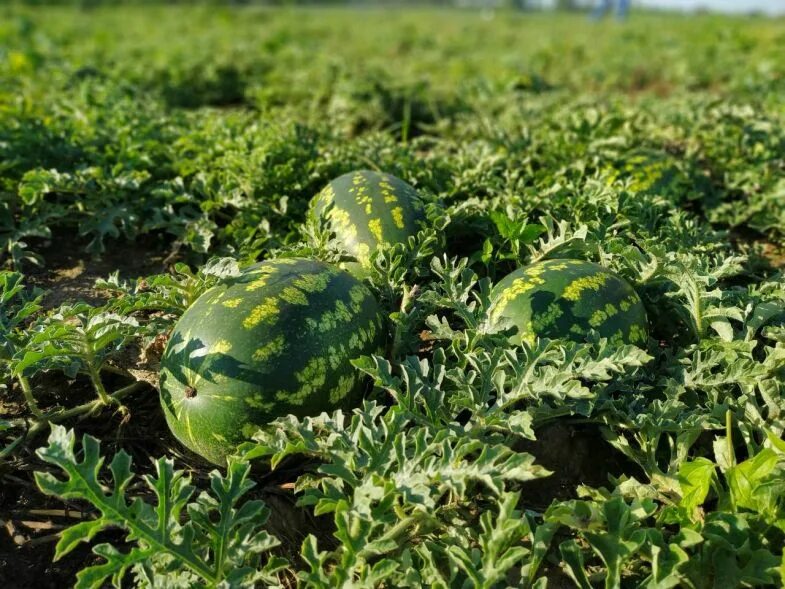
[(276, 340), (568, 299), (366, 209), (507, 435)]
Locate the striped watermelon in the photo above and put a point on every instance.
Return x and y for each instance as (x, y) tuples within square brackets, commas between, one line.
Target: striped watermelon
[(567, 298), (366, 208), (274, 341)]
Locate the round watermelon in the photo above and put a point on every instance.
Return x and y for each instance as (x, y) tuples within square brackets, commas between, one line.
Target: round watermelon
[(277, 340), (366, 209), (566, 299)]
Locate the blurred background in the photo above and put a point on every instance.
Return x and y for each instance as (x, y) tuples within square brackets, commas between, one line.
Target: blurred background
[(768, 7), (763, 6)]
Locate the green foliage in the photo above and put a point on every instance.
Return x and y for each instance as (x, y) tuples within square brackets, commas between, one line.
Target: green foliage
[(17, 307), (169, 293), (222, 540), (653, 149), (391, 484), (76, 338)]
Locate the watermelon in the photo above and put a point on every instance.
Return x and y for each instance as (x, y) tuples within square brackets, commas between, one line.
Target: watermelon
[(566, 299), (276, 340), (366, 209)]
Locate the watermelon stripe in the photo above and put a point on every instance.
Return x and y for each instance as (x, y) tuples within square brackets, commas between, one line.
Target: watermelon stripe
[(368, 209), (285, 347), (567, 299)]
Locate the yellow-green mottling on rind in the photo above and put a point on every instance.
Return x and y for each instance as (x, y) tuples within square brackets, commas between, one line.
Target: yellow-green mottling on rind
[(366, 208), (276, 340), (566, 299)]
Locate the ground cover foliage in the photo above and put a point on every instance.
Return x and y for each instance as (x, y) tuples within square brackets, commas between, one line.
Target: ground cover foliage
[(196, 137)]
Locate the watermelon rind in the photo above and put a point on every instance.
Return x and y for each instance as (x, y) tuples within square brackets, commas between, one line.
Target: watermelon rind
[(568, 299), (366, 209), (276, 340)]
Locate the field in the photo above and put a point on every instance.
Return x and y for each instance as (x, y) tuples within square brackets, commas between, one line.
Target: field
[(148, 152)]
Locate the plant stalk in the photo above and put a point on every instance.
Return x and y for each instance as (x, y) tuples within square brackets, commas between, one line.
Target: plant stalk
[(63, 414), (396, 531), (94, 371), (729, 438), (27, 391)]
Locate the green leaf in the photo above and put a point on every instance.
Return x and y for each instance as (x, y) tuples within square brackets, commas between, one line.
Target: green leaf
[(572, 557), (746, 479), (81, 532), (695, 479), (216, 542), (114, 567), (498, 551)]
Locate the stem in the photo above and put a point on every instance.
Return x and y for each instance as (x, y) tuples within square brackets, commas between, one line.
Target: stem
[(697, 310), (27, 391), (95, 377), (63, 414), (395, 532), (11, 447), (407, 120), (731, 455), (407, 300), (57, 416), (115, 370), (729, 438)]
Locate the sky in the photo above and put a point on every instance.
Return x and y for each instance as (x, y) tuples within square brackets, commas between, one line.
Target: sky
[(770, 6)]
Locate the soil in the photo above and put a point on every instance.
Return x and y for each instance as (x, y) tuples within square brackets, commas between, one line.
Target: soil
[(774, 254), (576, 455), (69, 276), (29, 521), (759, 246)]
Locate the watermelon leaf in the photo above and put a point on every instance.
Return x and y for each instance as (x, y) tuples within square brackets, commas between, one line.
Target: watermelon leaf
[(219, 540)]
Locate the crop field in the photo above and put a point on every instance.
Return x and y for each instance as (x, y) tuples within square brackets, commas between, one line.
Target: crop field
[(534, 338)]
